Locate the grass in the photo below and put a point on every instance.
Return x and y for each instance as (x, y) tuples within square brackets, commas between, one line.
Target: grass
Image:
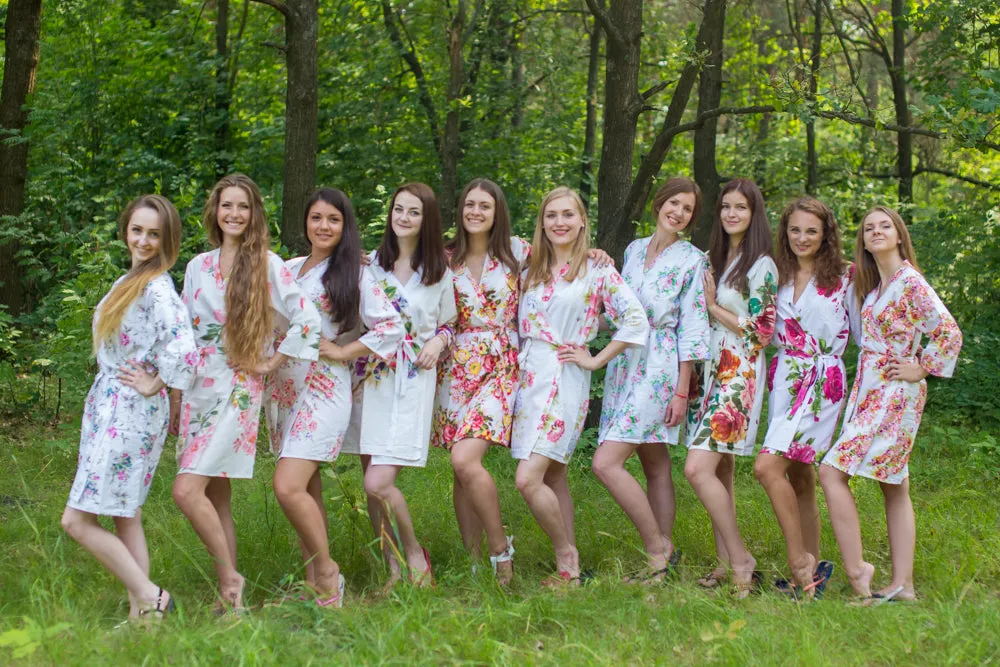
[(58, 606)]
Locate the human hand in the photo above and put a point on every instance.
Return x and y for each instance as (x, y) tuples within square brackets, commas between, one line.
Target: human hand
[(601, 258), (330, 350), (676, 410), (579, 355), (431, 352), (133, 375), (908, 372), (708, 281), (269, 365)]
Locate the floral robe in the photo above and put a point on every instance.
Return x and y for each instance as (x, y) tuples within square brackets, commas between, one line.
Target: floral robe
[(552, 397), (220, 414), (806, 377), (123, 432), (309, 402), (635, 403), (725, 408), (882, 415), (391, 420), (476, 382)]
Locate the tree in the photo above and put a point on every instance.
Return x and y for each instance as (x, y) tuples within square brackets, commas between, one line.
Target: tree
[(22, 28), (709, 97)]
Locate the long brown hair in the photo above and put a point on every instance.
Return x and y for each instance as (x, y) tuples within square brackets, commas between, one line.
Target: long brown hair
[(755, 244), (542, 255), (124, 294), (498, 243), (829, 258), (248, 297), (677, 185), (429, 255), (341, 279), (866, 275)]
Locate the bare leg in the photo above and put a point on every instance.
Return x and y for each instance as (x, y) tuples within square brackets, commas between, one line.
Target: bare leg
[(609, 467), (191, 493), (130, 532), (315, 489), (375, 516), (803, 479), (902, 537), (771, 471), (481, 491), (291, 481), (655, 460), (544, 502), (380, 483), (469, 526), (846, 528), (555, 478), (112, 553)]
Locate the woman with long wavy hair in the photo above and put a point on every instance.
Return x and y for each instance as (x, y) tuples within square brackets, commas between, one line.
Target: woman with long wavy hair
[(725, 408), (144, 344), (309, 403), (233, 294)]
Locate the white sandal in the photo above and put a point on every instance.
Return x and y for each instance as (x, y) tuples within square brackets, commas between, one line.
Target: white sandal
[(506, 557)]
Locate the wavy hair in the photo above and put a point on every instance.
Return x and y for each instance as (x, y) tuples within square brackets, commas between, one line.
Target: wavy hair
[(429, 255), (676, 186), (498, 243), (830, 256), (756, 241), (866, 275), (542, 254), (341, 280), (249, 316), (124, 294)]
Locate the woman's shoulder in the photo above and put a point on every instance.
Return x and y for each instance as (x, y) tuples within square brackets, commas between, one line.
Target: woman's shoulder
[(520, 248), (764, 264), (692, 253)]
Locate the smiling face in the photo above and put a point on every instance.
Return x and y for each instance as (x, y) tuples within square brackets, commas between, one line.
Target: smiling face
[(407, 215), (880, 233), (562, 222), (233, 212), (675, 214), (143, 235), (478, 212), (324, 227), (735, 215), (805, 234)]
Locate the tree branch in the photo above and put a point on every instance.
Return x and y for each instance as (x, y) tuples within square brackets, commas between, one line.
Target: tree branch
[(610, 29), (280, 6), (652, 90), (957, 177)]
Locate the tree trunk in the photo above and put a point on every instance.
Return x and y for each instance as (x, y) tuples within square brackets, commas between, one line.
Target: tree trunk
[(590, 132), (22, 28), (812, 159), (709, 96), (301, 118), (451, 145), (897, 74), (222, 99)]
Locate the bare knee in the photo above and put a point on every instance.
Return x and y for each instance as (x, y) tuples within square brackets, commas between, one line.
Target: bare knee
[(377, 486), (604, 467), (466, 465), (285, 488), (185, 493), (695, 472), (72, 522), (767, 470), (831, 478), (525, 481), (802, 478)]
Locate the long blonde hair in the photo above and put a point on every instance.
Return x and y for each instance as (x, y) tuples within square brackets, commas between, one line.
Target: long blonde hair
[(124, 294), (866, 275), (542, 254), (249, 316)]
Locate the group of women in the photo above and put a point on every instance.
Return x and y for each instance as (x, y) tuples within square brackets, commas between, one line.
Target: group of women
[(485, 343)]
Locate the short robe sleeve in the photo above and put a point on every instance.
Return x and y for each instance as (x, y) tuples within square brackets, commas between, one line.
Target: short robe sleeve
[(174, 347), (694, 330), (758, 327), (623, 309), (384, 325), (287, 299), (928, 314)]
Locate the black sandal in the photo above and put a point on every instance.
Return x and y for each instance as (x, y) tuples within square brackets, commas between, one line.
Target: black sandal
[(160, 609)]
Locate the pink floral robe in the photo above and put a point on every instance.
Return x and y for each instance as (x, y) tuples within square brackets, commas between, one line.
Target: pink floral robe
[(806, 377), (476, 382), (552, 397), (882, 415), (725, 409), (220, 414), (122, 434), (309, 402)]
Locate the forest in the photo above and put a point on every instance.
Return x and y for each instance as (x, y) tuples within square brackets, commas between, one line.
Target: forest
[(857, 102)]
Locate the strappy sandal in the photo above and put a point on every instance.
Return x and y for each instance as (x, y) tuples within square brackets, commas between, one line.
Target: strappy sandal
[(651, 576), (714, 578), (560, 579), (744, 589), (425, 578), (335, 601), (506, 557), (160, 610)]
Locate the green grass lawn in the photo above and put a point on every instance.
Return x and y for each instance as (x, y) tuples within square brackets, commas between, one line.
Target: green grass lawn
[(47, 582)]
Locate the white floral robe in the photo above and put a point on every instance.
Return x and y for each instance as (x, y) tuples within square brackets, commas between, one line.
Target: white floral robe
[(725, 409), (672, 292), (309, 402), (883, 415), (806, 377), (220, 414), (552, 397), (123, 432), (391, 420), (477, 381)]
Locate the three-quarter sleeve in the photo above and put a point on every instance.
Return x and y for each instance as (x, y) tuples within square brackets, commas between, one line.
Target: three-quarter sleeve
[(694, 331), (176, 356), (385, 327), (187, 291), (287, 299), (447, 310), (623, 309), (928, 314), (758, 327)]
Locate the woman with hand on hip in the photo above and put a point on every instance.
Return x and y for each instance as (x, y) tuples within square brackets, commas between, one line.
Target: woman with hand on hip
[(233, 294), (144, 344)]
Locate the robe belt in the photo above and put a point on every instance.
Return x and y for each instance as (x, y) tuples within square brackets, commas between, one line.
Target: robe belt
[(406, 356), (820, 362)]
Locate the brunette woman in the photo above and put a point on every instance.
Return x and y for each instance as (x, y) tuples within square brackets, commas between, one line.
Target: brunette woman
[(144, 344), (233, 294)]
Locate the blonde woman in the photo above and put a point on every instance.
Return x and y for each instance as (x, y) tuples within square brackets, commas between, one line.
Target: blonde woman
[(233, 294), (144, 344), (559, 310)]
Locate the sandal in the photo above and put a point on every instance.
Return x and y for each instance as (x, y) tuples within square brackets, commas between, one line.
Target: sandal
[(821, 577), (713, 578), (507, 556), (336, 601), (160, 609), (561, 579), (232, 605), (744, 589), (425, 578), (650, 576)]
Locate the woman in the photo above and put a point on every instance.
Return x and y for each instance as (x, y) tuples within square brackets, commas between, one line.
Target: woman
[(233, 294), (144, 343), (560, 305), (806, 380), (722, 422), (310, 402), (397, 395), (645, 389), (897, 308)]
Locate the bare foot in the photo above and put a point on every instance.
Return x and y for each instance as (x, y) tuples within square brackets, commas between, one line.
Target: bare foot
[(862, 581), (328, 583), (505, 572), (743, 579), (231, 597), (715, 577), (568, 560), (802, 572)]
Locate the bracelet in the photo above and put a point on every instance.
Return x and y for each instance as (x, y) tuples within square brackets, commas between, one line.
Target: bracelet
[(684, 396)]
